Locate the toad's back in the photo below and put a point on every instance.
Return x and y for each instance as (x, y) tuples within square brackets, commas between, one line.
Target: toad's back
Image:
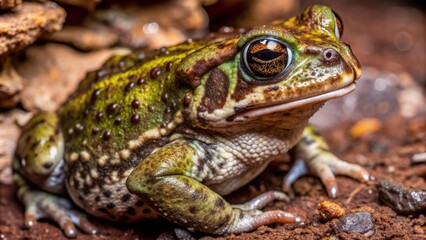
[(119, 102), (118, 115)]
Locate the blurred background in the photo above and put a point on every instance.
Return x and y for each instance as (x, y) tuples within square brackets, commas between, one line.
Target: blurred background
[(46, 48)]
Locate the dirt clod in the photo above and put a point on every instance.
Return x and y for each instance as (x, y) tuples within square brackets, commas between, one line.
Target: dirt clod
[(329, 210), (402, 199), (365, 126), (8, 4)]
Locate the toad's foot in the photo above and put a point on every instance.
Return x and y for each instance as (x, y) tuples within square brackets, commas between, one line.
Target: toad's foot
[(250, 216), (312, 156), (248, 220), (324, 167), (44, 205), (262, 200)]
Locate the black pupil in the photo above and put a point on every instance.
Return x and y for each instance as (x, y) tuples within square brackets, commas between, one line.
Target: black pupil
[(266, 58)]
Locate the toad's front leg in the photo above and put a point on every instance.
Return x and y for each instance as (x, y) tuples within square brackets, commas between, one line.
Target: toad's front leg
[(172, 181), (313, 156)]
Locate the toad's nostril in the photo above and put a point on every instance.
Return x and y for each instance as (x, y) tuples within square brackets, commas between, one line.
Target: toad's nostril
[(330, 56)]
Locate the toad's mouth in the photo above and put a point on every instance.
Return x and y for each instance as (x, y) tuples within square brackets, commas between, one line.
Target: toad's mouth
[(281, 107)]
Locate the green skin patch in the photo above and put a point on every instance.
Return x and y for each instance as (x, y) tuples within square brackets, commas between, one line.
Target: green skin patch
[(167, 133), (199, 207)]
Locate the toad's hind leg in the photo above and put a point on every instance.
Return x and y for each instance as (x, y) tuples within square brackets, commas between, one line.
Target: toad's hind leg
[(172, 180), (313, 156), (39, 176)]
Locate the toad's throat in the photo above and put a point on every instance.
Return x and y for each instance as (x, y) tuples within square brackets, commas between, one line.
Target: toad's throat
[(281, 107)]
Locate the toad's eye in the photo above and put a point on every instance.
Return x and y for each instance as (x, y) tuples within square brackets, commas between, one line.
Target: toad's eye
[(338, 25), (266, 58)]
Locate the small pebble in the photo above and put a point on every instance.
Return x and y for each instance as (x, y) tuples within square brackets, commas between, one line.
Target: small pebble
[(419, 157), (176, 234), (332, 237), (365, 126), (329, 210), (183, 234), (418, 229), (360, 222)]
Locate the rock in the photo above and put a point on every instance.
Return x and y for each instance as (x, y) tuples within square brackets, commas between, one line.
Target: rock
[(183, 234), (360, 222), (86, 4), (10, 84), (265, 11), (419, 157), (176, 234), (418, 229), (55, 70), (410, 97), (9, 133), (8, 4), (166, 236), (85, 38), (23, 26), (402, 199), (155, 25)]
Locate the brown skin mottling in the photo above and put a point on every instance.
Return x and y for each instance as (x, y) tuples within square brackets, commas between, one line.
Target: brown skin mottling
[(191, 69), (241, 90), (216, 90)]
